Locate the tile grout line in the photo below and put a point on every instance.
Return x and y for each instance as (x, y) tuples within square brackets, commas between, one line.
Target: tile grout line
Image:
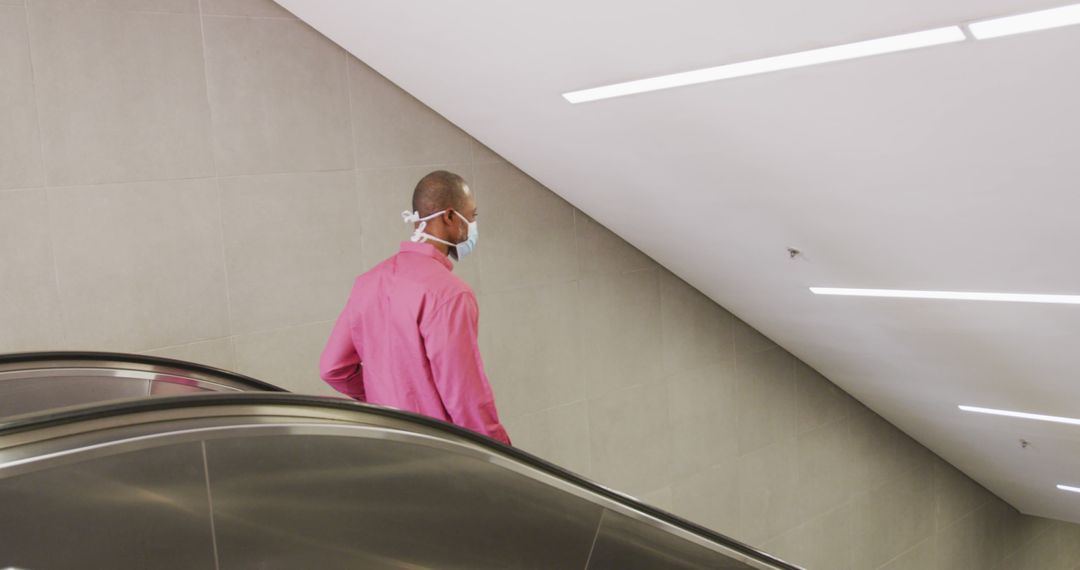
[(932, 537), (356, 191), (56, 266), (289, 18), (49, 209), (210, 504), (33, 92), (352, 115), (585, 399), (217, 184), (231, 337), (178, 179)]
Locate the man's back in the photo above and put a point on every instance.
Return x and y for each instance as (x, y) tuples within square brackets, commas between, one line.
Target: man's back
[(408, 339)]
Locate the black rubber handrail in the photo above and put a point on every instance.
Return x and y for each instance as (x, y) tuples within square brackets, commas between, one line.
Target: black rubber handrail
[(70, 416), (122, 358)]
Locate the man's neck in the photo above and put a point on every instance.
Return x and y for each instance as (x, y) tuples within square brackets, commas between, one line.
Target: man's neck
[(442, 247)]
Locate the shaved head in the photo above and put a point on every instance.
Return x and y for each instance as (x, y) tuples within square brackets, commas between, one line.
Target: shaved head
[(439, 191)]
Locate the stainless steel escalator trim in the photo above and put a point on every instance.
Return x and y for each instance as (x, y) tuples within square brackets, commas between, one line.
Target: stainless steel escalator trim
[(125, 374), (434, 433), (126, 365)]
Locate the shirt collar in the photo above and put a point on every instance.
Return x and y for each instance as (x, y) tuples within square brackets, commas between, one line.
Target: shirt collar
[(428, 250)]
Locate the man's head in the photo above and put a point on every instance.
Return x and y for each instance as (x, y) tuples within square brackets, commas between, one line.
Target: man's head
[(445, 192)]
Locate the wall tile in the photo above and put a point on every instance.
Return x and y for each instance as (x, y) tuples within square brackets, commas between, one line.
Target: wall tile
[(527, 231), (1028, 527), (825, 542), (955, 495), (768, 492), (701, 405), (822, 543), (482, 154), (958, 545), (287, 357), (527, 375), (391, 128), (279, 97), (620, 331), (384, 194), (825, 468), (696, 331), (786, 547), (980, 540), (559, 435), (710, 498), (892, 518), (1069, 540), (255, 8), (30, 310), (12, 2), (628, 431), (661, 499), (292, 242), (922, 556), (820, 401), (217, 353), (140, 265), (765, 398), (20, 143), (881, 451), (1042, 553), (748, 340), (121, 94), (601, 251)]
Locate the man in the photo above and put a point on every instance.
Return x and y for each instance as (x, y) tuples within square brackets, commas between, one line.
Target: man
[(408, 335)]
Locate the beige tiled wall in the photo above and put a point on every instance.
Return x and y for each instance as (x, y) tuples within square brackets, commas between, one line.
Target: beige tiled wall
[(201, 179)]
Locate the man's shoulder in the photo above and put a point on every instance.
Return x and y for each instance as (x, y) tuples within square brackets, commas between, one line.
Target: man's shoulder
[(418, 272)]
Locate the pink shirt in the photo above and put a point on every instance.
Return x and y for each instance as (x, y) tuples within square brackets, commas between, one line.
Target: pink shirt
[(408, 339)]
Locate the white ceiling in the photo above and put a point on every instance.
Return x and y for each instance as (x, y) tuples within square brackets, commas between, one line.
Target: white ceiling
[(954, 167)]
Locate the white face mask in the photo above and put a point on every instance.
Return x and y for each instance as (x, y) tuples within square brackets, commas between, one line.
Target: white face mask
[(460, 249)]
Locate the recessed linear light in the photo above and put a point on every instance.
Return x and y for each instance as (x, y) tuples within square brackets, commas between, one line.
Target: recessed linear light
[(856, 50), (1030, 22), (950, 295), (1022, 415), (1068, 488)]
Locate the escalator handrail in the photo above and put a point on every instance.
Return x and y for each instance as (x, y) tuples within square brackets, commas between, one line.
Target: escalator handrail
[(66, 416), (103, 359)]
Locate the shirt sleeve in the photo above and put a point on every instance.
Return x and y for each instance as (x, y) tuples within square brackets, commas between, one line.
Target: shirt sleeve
[(451, 342), (340, 365)]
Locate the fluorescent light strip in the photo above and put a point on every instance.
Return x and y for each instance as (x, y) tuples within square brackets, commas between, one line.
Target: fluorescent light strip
[(1069, 489), (950, 295), (1030, 22), (1021, 415), (856, 50)]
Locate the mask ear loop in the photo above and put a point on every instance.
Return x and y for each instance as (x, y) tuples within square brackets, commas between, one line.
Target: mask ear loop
[(419, 235), (414, 218)]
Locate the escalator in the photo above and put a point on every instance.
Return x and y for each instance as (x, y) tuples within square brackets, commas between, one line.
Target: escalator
[(236, 474)]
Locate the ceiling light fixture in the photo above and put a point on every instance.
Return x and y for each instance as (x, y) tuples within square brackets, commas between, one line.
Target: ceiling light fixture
[(843, 52), (1022, 415), (1023, 23), (1069, 489), (949, 295)]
